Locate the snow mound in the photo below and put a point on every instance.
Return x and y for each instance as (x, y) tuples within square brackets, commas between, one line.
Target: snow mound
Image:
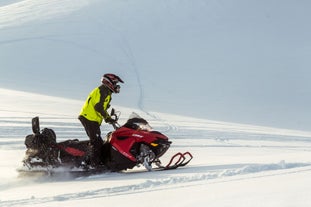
[(29, 10)]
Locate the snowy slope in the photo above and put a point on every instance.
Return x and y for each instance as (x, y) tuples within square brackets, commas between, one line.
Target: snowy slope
[(20, 12), (251, 59), (241, 61), (234, 164)]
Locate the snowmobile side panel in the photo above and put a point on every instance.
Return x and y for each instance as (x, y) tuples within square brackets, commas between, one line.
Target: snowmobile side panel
[(119, 162)]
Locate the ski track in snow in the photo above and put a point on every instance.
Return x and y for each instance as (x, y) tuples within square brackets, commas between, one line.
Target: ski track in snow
[(261, 151), (237, 173), (14, 129), (194, 135)]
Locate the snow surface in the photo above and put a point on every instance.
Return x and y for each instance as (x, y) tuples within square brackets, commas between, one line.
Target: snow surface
[(234, 164), (251, 58), (238, 61)]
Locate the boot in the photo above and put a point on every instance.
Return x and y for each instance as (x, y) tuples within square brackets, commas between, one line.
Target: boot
[(87, 160)]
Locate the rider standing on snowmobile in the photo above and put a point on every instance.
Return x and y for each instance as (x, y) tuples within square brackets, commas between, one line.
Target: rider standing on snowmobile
[(94, 111)]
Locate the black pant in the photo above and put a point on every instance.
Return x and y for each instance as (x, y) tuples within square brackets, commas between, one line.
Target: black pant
[(92, 129)]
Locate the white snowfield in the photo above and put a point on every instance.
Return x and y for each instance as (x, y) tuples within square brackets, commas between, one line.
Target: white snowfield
[(246, 57), (24, 11), (250, 59), (233, 165)]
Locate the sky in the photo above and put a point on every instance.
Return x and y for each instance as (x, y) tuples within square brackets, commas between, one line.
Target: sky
[(241, 61)]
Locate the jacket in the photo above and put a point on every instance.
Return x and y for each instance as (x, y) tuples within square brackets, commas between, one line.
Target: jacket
[(96, 105)]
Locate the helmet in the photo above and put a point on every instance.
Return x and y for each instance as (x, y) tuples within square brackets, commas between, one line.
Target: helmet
[(110, 80)]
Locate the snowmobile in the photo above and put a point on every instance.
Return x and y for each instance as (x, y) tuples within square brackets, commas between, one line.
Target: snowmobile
[(130, 145)]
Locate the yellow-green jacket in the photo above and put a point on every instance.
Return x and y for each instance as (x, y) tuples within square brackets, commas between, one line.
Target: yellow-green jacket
[(96, 105)]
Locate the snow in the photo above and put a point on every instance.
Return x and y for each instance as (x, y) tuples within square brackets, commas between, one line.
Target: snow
[(251, 59), (241, 61), (233, 165)]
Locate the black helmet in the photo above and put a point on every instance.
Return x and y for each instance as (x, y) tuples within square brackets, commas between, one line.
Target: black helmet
[(111, 81)]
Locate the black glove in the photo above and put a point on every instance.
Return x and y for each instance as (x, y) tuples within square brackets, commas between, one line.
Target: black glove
[(110, 120)]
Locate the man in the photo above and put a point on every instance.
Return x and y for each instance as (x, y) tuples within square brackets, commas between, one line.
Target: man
[(94, 111)]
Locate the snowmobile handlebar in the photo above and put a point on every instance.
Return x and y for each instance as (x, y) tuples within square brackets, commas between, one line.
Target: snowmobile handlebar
[(115, 117)]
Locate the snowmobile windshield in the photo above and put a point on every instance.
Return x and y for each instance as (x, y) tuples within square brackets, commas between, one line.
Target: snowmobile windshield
[(137, 123)]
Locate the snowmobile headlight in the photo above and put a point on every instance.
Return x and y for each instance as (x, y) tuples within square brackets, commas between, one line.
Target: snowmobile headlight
[(154, 144)]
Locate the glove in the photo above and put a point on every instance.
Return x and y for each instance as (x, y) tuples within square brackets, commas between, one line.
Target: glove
[(110, 120)]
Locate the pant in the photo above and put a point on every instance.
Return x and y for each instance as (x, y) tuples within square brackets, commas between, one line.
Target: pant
[(92, 129)]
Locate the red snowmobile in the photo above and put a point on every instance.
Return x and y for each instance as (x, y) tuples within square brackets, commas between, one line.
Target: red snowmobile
[(130, 145)]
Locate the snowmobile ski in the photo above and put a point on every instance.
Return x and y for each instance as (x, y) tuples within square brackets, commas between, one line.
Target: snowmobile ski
[(177, 160)]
